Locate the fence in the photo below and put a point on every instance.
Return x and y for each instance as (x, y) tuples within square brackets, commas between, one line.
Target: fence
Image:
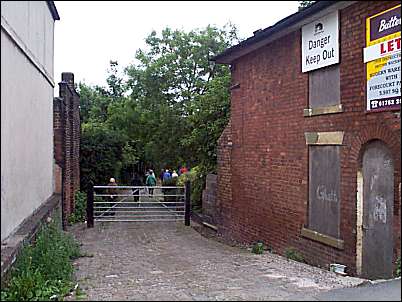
[(138, 204)]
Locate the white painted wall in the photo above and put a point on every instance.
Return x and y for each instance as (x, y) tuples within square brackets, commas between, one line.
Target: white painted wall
[(26, 110), (34, 24)]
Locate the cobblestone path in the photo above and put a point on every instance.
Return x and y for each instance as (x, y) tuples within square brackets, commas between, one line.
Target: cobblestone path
[(169, 261)]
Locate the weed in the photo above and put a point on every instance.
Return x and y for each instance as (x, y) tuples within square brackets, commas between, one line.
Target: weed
[(43, 270), (79, 213), (80, 294), (258, 248), (293, 254)]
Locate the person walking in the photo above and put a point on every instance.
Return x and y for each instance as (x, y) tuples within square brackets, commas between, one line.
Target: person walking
[(161, 175), (151, 182), (183, 170), (112, 198), (136, 182), (166, 175), (174, 174)]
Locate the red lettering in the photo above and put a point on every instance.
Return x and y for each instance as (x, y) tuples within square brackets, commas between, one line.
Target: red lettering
[(390, 45), (383, 51)]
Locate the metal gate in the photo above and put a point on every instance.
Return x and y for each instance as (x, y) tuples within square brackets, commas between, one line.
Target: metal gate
[(138, 204)]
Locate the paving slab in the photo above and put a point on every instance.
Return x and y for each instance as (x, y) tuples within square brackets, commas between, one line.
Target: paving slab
[(162, 261)]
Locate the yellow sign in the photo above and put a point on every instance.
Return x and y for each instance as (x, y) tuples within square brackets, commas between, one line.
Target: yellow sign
[(383, 57)]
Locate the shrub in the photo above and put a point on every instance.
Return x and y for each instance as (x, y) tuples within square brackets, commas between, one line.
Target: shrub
[(258, 248), (197, 180), (398, 267), (79, 213), (293, 254), (43, 269)]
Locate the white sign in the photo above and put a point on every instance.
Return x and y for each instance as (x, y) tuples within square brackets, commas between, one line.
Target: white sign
[(382, 56), (384, 83), (382, 49), (320, 42)]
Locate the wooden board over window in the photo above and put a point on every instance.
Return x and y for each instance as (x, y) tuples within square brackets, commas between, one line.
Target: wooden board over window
[(324, 189), (324, 87)]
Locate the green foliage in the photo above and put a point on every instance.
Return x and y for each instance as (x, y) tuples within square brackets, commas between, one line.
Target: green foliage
[(181, 180), (43, 269), (80, 294), (197, 179), (258, 248), (304, 4), (104, 153), (293, 254), (211, 113), (398, 267), (171, 109), (79, 213)]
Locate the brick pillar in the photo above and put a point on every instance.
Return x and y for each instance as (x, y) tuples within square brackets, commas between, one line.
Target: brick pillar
[(58, 142), (66, 141), (68, 78), (74, 111)]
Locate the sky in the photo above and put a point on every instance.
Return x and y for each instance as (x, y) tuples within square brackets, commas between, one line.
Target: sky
[(91, 33)]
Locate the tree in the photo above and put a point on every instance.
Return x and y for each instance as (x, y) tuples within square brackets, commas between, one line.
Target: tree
[(171, 74), (171, 109), (211, 113), (115, 83), (304, 4)]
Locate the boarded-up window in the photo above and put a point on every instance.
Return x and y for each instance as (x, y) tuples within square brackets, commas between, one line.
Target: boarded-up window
[(324, 193), (324, 87)]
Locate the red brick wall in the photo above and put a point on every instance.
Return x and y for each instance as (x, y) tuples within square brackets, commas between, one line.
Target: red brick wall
[(263, 178), (66, 124)]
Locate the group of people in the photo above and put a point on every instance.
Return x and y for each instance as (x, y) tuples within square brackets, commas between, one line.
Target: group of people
[(168, 173), (150, 180)]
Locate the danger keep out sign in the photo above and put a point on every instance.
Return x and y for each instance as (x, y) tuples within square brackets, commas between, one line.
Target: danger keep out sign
[(382, 56), (320, 42)]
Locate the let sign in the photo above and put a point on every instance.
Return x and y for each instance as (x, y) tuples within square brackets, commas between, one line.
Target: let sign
[(320, 43), (382, 56)]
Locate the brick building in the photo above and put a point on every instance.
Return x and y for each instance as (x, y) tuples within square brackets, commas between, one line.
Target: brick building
[(311, 157)]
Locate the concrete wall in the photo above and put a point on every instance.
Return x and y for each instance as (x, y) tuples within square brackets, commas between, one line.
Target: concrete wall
[(26, 110), (209, 196)]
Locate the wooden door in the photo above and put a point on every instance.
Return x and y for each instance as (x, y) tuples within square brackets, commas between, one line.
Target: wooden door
[(378, 202)]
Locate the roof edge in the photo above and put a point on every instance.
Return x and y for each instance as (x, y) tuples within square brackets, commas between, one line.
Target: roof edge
[(252, 43), (53, 10)]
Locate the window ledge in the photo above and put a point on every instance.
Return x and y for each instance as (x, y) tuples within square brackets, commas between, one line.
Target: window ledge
[(322, 110), (324, 138), (325, 239)]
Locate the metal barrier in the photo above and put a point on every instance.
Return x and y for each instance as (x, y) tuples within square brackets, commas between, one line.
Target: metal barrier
[(138, 204)]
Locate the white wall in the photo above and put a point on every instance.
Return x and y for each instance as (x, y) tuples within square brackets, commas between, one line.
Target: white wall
[(33, 23), (26, 110)]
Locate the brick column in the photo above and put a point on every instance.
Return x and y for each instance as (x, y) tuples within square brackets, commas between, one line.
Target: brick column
[(66, 125)]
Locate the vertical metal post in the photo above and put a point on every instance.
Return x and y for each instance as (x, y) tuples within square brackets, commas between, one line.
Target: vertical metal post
[(187, 204), (90, 207)]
